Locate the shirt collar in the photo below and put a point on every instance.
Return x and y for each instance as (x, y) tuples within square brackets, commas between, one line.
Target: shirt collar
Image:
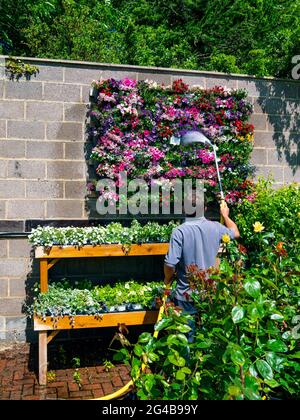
[(194, 219)]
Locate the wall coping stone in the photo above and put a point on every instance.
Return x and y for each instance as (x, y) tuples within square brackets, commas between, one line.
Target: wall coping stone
[(111, 66)]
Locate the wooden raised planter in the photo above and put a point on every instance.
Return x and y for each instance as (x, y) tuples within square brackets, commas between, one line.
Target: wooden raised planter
[(50, 256), (95, 321)]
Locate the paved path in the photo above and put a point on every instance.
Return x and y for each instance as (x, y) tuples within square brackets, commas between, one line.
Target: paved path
[(18, 379)]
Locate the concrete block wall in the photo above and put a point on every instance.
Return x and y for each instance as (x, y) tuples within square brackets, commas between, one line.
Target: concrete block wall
[(43, 171), (15, 265)]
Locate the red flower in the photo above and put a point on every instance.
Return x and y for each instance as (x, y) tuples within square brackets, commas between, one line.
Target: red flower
[(280, 251), (242, 249), (239, 125), (220, 117), (164, 131), (216, 89), (179, 86), (244, 128)]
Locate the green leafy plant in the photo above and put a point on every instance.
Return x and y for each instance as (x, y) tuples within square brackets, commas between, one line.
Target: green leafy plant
[(247, 37), (64, 300), (76, 362), (108, 365), (171, 365), (62, 355), (16, 68), (51, 376), (113, 233), (77, 378), (277, 209), (247, 333)]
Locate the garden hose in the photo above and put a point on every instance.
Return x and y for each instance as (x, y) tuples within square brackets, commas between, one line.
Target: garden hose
[(126, 387)]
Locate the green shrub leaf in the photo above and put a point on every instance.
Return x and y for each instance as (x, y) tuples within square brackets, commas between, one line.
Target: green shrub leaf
[(264, 369), (237, 314)]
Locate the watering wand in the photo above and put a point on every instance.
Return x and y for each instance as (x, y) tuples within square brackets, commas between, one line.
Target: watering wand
[(192, 137)]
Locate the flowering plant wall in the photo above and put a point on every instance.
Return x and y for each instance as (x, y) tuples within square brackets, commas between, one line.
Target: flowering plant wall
[(134, 125)]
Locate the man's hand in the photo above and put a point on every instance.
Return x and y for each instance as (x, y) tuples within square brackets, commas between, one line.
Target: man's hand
[(224, 209), (169, 274)]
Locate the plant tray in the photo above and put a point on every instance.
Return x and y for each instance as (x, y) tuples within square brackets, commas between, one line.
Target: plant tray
[(95, 321)]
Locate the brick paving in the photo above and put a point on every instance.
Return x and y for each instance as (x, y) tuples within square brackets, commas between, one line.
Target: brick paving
[(18, 378)]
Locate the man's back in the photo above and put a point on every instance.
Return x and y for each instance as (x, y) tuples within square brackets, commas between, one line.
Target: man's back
[(194, 242)]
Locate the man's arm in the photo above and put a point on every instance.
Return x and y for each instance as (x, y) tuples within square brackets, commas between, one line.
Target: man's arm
[(228, 222), (173, 256), (169, 275)]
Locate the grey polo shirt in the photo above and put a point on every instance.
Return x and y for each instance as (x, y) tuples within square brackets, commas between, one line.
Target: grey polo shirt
[(194, 242)]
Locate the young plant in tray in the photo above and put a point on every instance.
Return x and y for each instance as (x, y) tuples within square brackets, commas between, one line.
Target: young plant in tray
[(113, 233), (63, 300)]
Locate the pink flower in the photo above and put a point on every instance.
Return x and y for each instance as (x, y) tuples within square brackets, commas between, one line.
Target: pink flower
[(169, 114), (251, 197), (127, 84), (174, 173), (156, 154), (90, 186), (110, 196), (205, 156), (129, 155)]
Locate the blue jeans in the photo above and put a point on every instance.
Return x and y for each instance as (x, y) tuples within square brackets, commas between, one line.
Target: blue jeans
[(188, 308)]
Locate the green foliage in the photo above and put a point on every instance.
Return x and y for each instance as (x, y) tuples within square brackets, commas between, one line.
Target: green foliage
[(77, 378), (63, 300), (107, 364), (247, 339), (238, 36), (278, 210), (246, 345), (172, 365), (113, 233), (51, 376), (76, 362), (17, 68)]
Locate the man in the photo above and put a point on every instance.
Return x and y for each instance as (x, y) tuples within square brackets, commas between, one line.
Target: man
[(196, 241)]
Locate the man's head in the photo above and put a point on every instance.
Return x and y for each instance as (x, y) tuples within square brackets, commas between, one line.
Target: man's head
[(195, 204)]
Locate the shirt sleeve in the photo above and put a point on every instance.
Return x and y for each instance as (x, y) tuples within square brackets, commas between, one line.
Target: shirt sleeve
[(223, 230), (175, 249)]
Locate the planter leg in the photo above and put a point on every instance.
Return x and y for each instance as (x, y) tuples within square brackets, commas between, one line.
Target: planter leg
[(43, 357)]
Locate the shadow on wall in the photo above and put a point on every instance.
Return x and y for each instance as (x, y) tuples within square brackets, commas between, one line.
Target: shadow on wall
[(281, 102), (32, 279)]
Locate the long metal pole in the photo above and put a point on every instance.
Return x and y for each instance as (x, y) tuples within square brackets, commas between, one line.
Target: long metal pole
[(218, 173)]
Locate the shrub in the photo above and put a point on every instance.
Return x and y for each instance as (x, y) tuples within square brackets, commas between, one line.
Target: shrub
[(278, 211)]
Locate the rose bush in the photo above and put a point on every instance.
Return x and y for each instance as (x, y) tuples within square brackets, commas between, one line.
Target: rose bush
[(247, 342), (277, 210)]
